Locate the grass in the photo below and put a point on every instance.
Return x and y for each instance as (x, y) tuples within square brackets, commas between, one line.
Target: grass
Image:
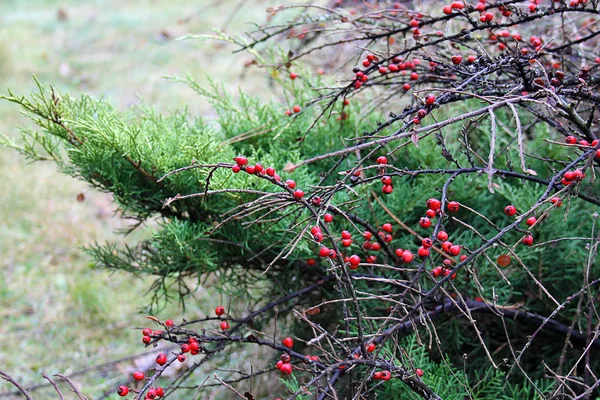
[(58, 314)]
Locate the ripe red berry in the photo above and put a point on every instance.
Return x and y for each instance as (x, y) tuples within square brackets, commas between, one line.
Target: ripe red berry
[(224, 325), (413, 77), (530, 221), (346, 242), (123, 391), (354, 260), (386, 375), (181, 358), (446, 246), (434, 204), (375, 246), (366, 63), (146, 339), (324, 252), (311, 262), (138, 376), (286, 369), (146, 332), (407, 256), (557, 201), (346, 235), (220, 310), (290, 183), (288, 342), (387, 189), (456, 59), (185, 348), (151, 394), (425, 222), (328, 218), (371, 259), (293, 75), (457, 5), (427, 242), (471, 59), (406, 86), (419, 372), (161, 359), (387, 227), (296, 109), (571, 140), (169, 322), (423, 252), (453, 206), (454, 250), (510, 210), (298, 194), (442, 236), (430, 100), (377, 376), (430, 213), (367, 235), (240, 160), (251, 169), (382, 160), (279, 364), (447, 9), (160, 392), (194, 347), (270, 171), (528, 240), (371, 347), (235, 169)]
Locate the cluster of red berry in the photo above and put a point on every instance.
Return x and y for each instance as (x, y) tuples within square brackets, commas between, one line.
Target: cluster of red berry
[(192, 347), (397, 64), (295, 110), (257, 169), (583, 142)]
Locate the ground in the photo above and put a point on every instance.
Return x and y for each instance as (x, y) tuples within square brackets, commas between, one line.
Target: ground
[(58, 314)]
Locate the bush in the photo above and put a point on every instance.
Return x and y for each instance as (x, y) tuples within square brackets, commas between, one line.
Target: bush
[(429, 216)]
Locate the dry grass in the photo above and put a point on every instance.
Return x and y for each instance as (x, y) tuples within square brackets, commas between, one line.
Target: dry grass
[(57, 313)]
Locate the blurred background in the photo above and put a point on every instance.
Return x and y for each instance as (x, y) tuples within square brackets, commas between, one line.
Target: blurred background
[(57, 313)]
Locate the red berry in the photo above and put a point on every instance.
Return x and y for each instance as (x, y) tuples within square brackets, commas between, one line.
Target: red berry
[(463, 258), (528, 240), (375, 246), (407, 256), (298, 194), (454, 250), (386, 375), (235, 169), (446, 246), (377, 375), (324, 252), (371, 259), (224, 325), (387, 189), (430, 213), (598, 153), (146, 339), (311, 262), (480, 7), (160, 392), (146, 331), (447, 9), (387, 227), (442, 236), (288, 342), (457, 5), (286, 369), (161, 359), (138, 376), (423, 252), (220, 310), (367, 235), (123, 391), (346, 242), (510, 210), (251, 169), (382, 160), (279, 364), (453, 206), (354, 260), (471, 59), (419, 372), (413, 77), (296, 109), (346, 235), (427, 242), (151, 394), (240, 160), (530, 221), (181, 358), (169, 322), (406, 86), (366, 63), (425, 222), (456, 59), (328, 218), (557, 201), (258, 168), (270, 171), (371, 347), (434, 204), (293, 75), (290, 183), (185, 348), (532, 7)]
